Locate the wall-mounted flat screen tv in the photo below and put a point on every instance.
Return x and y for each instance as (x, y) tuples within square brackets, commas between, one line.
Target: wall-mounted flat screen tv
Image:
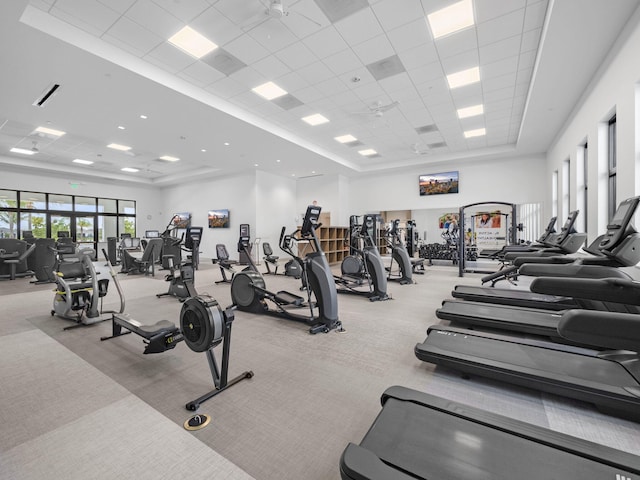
[(438, 183), (182, 220), (218, 218)]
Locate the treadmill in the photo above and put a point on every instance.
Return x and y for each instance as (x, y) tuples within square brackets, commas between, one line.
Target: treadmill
[(619, 247), (610, 379), (421, 436)]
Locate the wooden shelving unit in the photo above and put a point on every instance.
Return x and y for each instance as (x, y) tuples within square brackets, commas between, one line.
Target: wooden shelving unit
[(332, 242)]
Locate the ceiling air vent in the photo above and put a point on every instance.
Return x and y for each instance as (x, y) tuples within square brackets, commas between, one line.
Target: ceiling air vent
[(47, 95)]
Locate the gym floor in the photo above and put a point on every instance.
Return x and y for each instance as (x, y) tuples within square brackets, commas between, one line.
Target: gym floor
[(74, 407)]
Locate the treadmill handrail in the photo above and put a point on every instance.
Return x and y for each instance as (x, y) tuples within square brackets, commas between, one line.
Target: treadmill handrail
[(616, 290), (613, 329)]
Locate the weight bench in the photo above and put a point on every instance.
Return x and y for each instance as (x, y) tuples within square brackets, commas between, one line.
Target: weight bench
[(158, 337)]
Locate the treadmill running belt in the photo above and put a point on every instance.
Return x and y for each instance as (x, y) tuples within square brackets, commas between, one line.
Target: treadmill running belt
[(583, 374), (422, 436)]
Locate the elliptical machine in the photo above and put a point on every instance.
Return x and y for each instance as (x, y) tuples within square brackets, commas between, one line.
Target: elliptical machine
[(248, 290), (362, 270), (399, 255)]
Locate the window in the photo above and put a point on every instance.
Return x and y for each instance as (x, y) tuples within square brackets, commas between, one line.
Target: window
[(60, 202), (566, 188), (554, 194), (582, 186), (85, 204), (33, 200), (612, 164)]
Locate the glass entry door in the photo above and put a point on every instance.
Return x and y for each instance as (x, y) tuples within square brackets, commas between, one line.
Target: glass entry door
[(84, 233)]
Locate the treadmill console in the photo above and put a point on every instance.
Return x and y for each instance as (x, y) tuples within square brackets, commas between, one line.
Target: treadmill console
[(245, 237), (620, 224)]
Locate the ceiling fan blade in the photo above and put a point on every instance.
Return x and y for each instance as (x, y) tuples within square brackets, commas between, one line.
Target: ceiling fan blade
[(386, 108)]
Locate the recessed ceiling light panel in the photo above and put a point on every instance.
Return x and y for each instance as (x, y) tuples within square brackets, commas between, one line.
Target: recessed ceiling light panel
[(129, 169), (367, 152), (269, 91), (83, 162), (192, 42), (50, 131), (169, 158), (451, 19), (471, 111), (478, 132), (117, 146), (315, 119), (345, 139), (465, 77), (23, 151)]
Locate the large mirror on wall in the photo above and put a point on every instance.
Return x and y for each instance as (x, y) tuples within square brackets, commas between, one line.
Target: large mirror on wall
[(486, 225)]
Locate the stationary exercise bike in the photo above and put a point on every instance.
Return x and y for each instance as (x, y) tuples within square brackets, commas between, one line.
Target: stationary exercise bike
[(180, 278), (362, 270), (248, 290)]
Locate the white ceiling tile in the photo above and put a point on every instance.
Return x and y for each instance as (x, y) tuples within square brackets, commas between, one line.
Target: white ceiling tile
[(314, 73), (462, 61), (250, 99), (226, 87), (169, 57), (330, 86), (296, 56), (273, 35), (500, 28), (499, 68), (185, 11), (502, 49), (419, 56), (453, 45), (497, 83), (498, 95), (90, 12), (434, 90), (489, 9), (393, 13), (493, 109), (154, 18), (374, 49), (358, 77), (426, 73), (131, 33), (243, 13), (410, 36), (369, 92), (119, 6), (397, 83), (359, 27), (248, 77), (270, 67), (527, 60), (342, 62), (216, 27), (530, 40), (116, 42), (203, 73), (292, 82), (534, 16), (246, 49), (470, 95), (325, 42), (76, 22)]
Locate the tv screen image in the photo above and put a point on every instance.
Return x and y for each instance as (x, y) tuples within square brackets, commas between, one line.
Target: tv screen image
[(439, 183), (218, 218), (182, 220)]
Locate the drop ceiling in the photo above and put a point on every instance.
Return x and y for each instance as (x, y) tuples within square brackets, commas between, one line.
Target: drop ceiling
[(371, 67)]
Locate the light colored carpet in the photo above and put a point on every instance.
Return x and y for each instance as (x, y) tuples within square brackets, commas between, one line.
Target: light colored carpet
[(311, 394)]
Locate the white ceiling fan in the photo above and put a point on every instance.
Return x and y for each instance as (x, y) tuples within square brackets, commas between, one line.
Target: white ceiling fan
[(415, 148), (378, 109), (275, 9)]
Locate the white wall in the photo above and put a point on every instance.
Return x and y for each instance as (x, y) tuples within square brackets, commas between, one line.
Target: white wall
[(331, 193), (275, 208), (613, 90), (147, 198)]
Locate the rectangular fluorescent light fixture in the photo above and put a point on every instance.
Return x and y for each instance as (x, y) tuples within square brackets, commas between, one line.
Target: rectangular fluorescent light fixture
[(169, 158), (465, 77), (470, 111), (24, 151), (478, 132), (83, 162), (192, 42), (451, 19), (50, 131), (269, 90), (367, 152), (116, 146), (315, 119), (345, 139), (129, 169)]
